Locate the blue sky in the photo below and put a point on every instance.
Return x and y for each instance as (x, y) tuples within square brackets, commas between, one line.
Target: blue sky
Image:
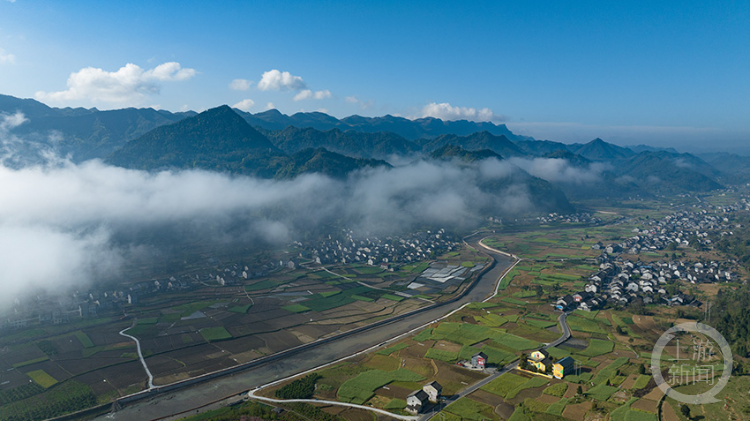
[(662, 73)]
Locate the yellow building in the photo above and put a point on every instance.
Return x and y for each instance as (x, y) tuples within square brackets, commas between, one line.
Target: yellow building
[(563, 367), (540, 359)]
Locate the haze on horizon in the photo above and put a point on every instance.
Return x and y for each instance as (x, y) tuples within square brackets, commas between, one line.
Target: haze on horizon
[(671, 74)]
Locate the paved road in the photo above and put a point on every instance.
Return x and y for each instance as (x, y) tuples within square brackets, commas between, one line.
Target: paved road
[(512, 366), (185, 401), (252, 395), (140, 354)]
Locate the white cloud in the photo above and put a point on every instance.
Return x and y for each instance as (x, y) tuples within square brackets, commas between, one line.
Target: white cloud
[(352, 99), (274, 80), (11, 121), (240, 84), (556, 170), (446, 111), (170, 72), (308, 94), (244, 105), (128, 85), (270, 106), (7, 57)]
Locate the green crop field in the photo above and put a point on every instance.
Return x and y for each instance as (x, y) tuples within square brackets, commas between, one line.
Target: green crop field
[(395, 403), (524, 294), (584, 325), (504, 384), (241, 309), (420, 267), (590, 315), (558, 407), (42, 378), (609, 370), (479, 305), (529, 384), (393, 297), (497, 356), (190, 308), (69, 396), (535, 406), (598, 347), (84, 339), (542, 324), (212, 334), (170, 318), (469, 409), (621, 412), (601, 392), (507, 279), (558, 353), (491, 320), (641, 381), (361, 388), (296, 308), (464, 333), (30, 362), (423, 335), (391, 349), (583, 377), (442, 355), (368, 270), (317, 302), (511, 300), (516, 342), (557, 389)]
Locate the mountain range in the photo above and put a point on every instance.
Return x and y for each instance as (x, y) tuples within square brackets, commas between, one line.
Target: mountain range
[(271, 144)]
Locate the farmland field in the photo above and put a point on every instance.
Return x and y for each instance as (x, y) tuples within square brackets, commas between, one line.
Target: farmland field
[(42, 379), (598, 347), (504, 384), (212, 334), (361, 388)]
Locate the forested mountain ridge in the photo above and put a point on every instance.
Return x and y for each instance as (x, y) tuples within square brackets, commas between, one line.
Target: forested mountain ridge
[(131, 137)]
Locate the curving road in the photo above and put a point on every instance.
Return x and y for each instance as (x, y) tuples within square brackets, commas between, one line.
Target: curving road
[(189, 400), (470, 389)]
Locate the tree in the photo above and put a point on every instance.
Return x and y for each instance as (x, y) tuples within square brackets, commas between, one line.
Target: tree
[(539, 291), (685, 411), (579, 390), (524, 363), (641, 369)]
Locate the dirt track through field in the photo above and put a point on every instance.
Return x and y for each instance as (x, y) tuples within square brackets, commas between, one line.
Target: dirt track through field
[(164, 406)]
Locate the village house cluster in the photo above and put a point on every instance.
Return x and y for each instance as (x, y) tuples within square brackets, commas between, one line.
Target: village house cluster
[(67, 308), (678, 229), (375, 251), (575, 218), (621, 281)]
